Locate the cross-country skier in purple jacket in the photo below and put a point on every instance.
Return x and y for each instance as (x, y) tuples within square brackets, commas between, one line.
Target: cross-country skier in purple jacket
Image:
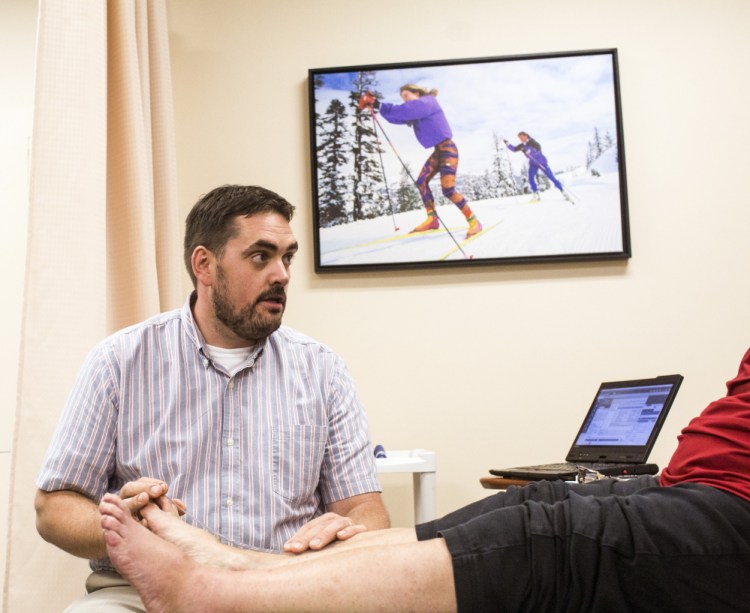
[(422, 112), (537, 161)]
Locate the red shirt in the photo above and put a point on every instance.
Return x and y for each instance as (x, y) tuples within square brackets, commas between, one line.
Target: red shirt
[(714, 448)]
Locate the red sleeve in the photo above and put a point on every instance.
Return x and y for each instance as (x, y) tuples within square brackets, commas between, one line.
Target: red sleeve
[(714, 449)]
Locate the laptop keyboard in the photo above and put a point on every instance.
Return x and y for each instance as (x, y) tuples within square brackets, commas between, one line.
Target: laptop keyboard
[(551, 468), (562, 467)]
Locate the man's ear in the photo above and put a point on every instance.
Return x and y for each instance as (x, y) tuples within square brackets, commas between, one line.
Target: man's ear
[(203, 261)]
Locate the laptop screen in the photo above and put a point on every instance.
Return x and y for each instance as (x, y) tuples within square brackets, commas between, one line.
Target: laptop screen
[(624, 420), (624, 415)]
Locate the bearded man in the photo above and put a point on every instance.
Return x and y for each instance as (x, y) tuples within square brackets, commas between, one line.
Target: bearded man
[(255, 430)]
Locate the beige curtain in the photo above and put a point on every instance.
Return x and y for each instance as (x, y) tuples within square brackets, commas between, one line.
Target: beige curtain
[(104, 237)]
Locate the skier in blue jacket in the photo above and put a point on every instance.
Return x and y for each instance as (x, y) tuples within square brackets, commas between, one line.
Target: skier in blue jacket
[(423, 113), (537, 161)]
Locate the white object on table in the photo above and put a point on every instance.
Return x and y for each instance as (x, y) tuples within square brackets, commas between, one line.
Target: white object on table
[(423, 466)]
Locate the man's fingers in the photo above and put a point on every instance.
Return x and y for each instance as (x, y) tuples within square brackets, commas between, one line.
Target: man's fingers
[(174, 506), (136, 503), (320, 532), (153, 487), (328, 533), (350, 531)]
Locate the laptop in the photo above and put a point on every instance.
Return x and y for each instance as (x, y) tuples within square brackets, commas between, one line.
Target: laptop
[(617, 434)]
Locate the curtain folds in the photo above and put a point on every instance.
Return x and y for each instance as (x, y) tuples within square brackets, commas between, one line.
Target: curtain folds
[(103, 239)]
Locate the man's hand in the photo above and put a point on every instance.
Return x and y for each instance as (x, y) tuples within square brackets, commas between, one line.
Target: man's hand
[(137, 494), (71, 520), (322, 531)]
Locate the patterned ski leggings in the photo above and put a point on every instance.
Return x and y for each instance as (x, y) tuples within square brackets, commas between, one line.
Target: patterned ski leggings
[(444, 159)]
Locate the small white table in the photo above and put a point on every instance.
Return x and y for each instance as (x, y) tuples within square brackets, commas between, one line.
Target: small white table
[(423, 466)]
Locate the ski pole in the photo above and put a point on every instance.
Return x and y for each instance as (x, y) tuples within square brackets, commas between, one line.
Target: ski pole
[(382, 167), (569, 195), (385, 134), (512, 174), (406, 169)]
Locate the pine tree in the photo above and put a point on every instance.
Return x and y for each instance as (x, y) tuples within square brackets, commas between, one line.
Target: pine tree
[(597, 144), (367, 180), (524, 187), (333, 159), (503, 183), (317, 84), (479, 187), (486, 186), (407, 195)]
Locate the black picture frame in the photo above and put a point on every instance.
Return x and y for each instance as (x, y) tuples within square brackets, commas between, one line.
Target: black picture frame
[(367, 160)]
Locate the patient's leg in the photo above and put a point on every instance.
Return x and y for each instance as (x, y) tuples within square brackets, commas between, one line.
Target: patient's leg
[(412, 576), (205, 548)]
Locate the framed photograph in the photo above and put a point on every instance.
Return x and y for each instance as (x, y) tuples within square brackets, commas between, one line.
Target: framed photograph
[(468, 162)]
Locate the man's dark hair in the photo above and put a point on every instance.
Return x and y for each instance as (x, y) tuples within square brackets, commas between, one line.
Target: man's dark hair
[(211, 222)]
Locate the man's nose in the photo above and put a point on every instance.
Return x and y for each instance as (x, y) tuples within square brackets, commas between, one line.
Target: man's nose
[(280, 272)]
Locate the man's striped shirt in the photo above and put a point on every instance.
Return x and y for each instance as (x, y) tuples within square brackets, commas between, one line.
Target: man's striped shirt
[(254, 456)]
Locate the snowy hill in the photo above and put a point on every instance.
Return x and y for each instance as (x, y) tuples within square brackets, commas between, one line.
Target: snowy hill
[(515, 228), (606, 162)]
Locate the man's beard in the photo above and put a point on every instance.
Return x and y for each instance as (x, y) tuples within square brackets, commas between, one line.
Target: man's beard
[(248, 323)]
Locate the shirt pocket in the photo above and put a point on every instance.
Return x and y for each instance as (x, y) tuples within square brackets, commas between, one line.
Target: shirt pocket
[(298, 452)]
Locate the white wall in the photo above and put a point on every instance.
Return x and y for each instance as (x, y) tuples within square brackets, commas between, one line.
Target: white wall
[(17, 40), (493, 365), (496, 365)]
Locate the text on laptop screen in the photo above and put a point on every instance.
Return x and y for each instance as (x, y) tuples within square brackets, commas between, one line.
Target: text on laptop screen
[(624, 416)]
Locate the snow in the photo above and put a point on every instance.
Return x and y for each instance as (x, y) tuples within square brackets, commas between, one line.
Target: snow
[(515, 227), (606, 162)]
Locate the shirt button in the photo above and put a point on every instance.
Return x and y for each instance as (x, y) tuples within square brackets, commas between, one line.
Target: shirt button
[(230, 442), (229, 502), (231, 384)]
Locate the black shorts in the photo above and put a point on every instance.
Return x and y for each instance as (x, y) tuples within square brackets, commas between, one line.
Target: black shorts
[(607, 546)]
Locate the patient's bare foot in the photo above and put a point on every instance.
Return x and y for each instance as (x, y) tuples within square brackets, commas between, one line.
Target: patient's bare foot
[(204, 547), (200, 545), (166, 579)]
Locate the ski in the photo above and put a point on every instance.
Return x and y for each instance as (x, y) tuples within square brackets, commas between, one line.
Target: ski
[(568, 195), (396, 237), (466, 241)]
